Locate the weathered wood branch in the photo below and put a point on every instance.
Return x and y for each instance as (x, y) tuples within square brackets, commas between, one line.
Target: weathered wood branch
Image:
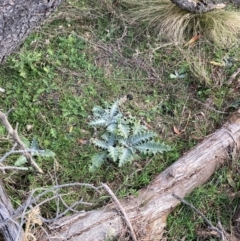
[(148, 212), (18, 18), (12, 230)]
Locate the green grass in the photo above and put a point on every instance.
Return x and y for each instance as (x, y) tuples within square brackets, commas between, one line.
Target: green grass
[(85, 56), (214, 199)]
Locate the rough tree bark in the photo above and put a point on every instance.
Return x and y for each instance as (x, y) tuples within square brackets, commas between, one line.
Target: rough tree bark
[(203, 6), (17, 20), (11, 231), (148, 212), (199, 6)]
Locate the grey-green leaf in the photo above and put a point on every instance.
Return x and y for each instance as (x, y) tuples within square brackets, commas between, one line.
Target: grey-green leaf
[(125, 156), (137, 128), (20, 161), (112, 128), (98, 122), (113, 153), (25, 141), (100, 143), (123, 130), (114, 109), (142, 137), (97, 160), (46, 153), (98, 111), (34, 144), (152, 147)]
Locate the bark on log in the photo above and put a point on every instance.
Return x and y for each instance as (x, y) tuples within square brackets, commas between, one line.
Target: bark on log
[(11, 231), (17, 20), (148, 212)]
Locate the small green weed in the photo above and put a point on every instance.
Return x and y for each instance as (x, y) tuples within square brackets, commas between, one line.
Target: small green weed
[(35, 151), (26, 63)]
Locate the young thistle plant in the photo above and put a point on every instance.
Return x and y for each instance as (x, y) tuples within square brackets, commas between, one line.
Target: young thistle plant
[(123, 138)]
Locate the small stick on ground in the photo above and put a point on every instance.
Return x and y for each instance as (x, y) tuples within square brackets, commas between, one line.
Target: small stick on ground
[(3, 168), (233, 76), (16, 138), (209, 107), (105, 186), (219, 230)]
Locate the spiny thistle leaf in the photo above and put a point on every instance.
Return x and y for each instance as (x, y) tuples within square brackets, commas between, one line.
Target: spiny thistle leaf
[(45, 153), (113, 153), (142, 137), (98, 122), (114, 110), (100, 143), (109, 138), (98, 111), (123, 130), (105, 136), (152, 147), (125, 156), (138, 128), (34, 144), (112, 128), (123, 141), (117, 117), (97, 160)]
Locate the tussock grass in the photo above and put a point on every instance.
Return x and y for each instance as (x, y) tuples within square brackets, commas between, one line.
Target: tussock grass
[(220, 26), (198, 65)]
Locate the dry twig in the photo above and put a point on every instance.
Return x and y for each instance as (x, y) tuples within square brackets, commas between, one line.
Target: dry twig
[(22, 210), (105, 186), (209, 107), (16, 138), (219, 229), (3, 168), (233, 76)]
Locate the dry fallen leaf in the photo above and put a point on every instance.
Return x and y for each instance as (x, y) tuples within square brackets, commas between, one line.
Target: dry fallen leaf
[(82, 142), (29, 127), (176, 131), (147, 125), (198, 138), (216, 63), (193, 40)]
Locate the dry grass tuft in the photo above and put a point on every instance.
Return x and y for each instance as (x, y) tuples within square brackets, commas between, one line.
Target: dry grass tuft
[(220, 26), (199, 65)]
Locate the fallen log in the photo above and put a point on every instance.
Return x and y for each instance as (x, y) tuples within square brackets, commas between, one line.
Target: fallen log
[(148, 212), (12, 230)]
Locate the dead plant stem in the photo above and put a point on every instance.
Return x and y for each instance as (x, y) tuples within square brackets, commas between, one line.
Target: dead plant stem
[(105, 186)]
